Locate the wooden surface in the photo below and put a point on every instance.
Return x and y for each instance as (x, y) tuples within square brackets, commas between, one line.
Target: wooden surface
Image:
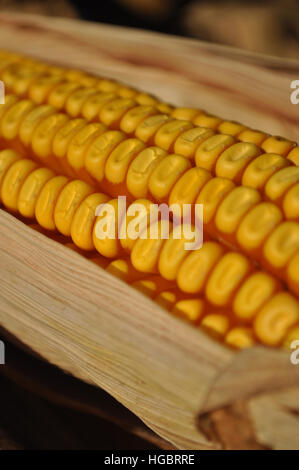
[(182, 384)]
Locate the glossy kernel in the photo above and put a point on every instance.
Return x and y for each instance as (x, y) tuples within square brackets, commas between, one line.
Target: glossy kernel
[(253, 294), (282, 244), (226, 277), (233, 160), (209, 151), (234, 207), (272, 323), (141, 169), (165, 175)]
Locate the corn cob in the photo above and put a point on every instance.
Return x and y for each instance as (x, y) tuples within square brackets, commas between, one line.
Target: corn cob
[(229, 278), (125, 166), (64, 88), (226, 282), (166, 139), (75, 147)]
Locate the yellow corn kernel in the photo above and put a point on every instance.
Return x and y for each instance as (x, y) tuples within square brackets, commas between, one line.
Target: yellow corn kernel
[(188, 186), (233, 160), (240, 337), (207, 120), (226, 277), (123, 269), (10, 100), (196, 268), (147, 100), (93, 105), (152, 285), (120, 158), (126, 92), (258, 288), (105, 230), (294, 155), (165, 175), (169, 132), (112, 112), (148, 127), (209, 151), (262, 168), (277, 144), (76, 100), (12, 119), (216, 324), (233, 208), (31, 121), (5, 63), (231, 128), (59, 95), (257, 225), (190, 309), (166, 299), (45, 205), (7, 159), (99, 151), (253, 136), (107, 85), (290, 203), (145, 253), (119, 268), (212, 194), (146, 287), (173, 254), (9, 75), (41, 88), (68, 202), (141, 168), (134, 117), (13, 181), (43, 137), (89, 82), (164, 108), (273, 322), (84, 220), (31, 189), (281, 181), (23, 80), (293, 335), (293, 274), (135, 223), (187, 143), (185, 114), (64, 136), (282, 244), (73, 75), (80, 142)]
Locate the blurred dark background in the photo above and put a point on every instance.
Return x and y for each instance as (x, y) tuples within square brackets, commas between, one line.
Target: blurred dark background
[(269, 27)]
